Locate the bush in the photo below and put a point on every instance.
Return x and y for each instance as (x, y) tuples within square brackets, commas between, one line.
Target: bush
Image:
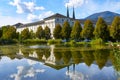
[(54, 41), (35, 41), (97, 41)]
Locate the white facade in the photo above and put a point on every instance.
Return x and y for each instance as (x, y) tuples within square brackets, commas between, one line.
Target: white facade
[(49, 21)]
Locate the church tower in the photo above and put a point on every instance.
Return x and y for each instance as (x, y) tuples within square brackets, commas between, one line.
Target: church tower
[(73, 13), (67, 12)]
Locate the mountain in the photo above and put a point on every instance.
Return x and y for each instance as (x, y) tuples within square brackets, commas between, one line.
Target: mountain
[(106, 15)]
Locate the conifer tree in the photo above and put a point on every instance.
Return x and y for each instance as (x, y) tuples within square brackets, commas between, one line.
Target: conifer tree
[(76, 30), (47, 32), (101, 29), (40, 32), (57, 31), (87, 32), (25, 34), (115, 28), (66, 30)]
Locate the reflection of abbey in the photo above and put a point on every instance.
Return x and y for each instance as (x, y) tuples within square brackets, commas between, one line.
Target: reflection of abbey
[(50, 21)]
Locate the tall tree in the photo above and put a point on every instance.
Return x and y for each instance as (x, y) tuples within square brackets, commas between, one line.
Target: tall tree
[(9, 32), (32, 34), (25, 34), (57, 31), (87, 32), (101, 29), (66, 30), (76, 30), (115, 28), (40, 32), (0, 33), (47, 32)]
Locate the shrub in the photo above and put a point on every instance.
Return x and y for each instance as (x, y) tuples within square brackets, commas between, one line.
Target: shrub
[(34, 41), (54, 41), (97, 41)]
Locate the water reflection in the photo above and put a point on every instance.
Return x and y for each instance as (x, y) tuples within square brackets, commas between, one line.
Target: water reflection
[(78, 63)]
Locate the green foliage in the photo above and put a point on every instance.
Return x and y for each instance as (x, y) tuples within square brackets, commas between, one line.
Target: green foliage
[(54, 41), (101, 30), (25, 34), (32, 35), (66, 30), (47, 33), (101, 56), (88, 57), (76, 30), (76, 56), (115, 58), (40, 32), (0, 33), (9, 32), (97, 41), (34, 41), (57, 31), (87, 32), (115, 28), (66, 55)]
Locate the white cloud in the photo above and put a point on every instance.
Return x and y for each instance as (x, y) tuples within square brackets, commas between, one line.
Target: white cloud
[(75, 75), (45, 14), (8, 20), (26, 71), (75, 3), (25, 7), (33, 17)]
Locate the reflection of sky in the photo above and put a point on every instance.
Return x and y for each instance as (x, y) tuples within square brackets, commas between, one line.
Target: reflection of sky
[(84, 72), (26, 71), (32, 70)]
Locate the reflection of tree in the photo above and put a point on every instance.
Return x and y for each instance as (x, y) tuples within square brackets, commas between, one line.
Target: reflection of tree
[(9, 51), (39, 53), (88, 57), (25, 52), (76, 56), (115, 58), (58, 55), (66, 55), (47, 53), (101, 57)]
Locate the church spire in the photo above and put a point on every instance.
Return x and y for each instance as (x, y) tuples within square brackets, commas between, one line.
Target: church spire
[(67, 11), (73, 13)]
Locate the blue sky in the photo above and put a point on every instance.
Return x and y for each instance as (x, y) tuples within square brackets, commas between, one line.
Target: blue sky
[(25, 11)]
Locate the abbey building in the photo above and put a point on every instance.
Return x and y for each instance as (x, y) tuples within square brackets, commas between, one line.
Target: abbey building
[(50, 21)]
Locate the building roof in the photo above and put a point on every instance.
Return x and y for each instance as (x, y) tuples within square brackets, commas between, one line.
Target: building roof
[(57, 15), (31, 24)]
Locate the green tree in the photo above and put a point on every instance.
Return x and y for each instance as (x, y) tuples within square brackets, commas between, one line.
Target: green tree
[(101, 29), (76, 30), (57, 31), (115, 28), (47, 32), (66, 30), (0, 33), (40, 32), (25, 34), (87, 32), (32, 34), (9, 32)]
